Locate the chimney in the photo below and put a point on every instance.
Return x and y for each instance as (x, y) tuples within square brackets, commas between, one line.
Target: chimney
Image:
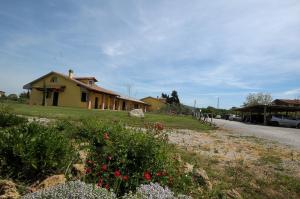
[(71, 73)]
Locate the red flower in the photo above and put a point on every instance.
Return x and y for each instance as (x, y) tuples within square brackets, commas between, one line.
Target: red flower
[(104, 167), (106, 136), (117, 173), (100, 182), (158, 174), (107, 186), (147, 175), (89, 162), (159, 126), (88, 170), (125, 178)]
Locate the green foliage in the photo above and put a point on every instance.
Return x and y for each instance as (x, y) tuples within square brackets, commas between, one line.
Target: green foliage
[(215, 111), (7, 118), (13, 97), (176, 109), (122, 158), (258, 98), (33, 151), (24, 95), (174, 99)]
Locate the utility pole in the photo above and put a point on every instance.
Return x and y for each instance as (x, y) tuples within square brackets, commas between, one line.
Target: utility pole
[(128, 86), (218, 103)]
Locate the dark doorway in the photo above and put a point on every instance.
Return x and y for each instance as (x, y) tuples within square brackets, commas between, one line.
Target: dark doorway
[(55, 98), (124, 106), (96, 102)]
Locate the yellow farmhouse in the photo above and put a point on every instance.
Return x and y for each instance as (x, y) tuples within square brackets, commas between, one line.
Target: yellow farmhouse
[(56, 89)]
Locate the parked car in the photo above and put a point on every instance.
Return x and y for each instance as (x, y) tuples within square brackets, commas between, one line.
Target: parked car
[(234, 117), (218, 117), (284, 121)]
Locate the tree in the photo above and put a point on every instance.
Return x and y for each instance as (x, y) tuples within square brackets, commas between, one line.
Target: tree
[(24, 95), (174, 99), (13, 97), (258, 99)]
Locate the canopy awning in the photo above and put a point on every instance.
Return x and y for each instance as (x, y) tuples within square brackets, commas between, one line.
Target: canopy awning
[(269, 108), (50, 88)]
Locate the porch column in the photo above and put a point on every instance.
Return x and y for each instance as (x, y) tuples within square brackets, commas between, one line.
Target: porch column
[(108, 102), (89, 104), (114, 105), (89, 101), (103, 101), (265, 115)]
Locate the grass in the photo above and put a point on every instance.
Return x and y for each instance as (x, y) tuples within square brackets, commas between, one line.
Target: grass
[(170, 121), (265, 182)]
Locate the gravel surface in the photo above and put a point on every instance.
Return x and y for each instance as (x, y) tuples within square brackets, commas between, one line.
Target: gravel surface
[(287, 136)]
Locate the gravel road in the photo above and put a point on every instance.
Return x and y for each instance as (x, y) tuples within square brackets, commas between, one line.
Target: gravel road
[(287, 136)]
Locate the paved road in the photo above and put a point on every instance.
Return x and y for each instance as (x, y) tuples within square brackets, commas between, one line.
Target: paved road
[(287, 136)]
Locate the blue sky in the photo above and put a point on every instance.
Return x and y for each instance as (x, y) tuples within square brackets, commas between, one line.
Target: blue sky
[(202, 49)]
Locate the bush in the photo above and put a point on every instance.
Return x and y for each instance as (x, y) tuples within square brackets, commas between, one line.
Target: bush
[(176, 109), (32, 151), (72, 189), (7, 118), (156, 191), (78, 189), (122, 159)]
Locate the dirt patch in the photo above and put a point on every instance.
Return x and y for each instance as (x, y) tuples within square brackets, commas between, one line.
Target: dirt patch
[(247, 163)]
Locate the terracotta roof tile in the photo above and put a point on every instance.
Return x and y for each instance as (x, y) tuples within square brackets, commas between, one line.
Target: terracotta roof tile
[(289, 101), (131, 99)]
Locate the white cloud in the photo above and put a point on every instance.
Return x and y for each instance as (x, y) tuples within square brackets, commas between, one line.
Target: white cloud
[(293, 92)]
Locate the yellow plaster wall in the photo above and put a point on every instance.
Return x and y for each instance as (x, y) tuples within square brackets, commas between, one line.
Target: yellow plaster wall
[(155, 104), (70, 97)]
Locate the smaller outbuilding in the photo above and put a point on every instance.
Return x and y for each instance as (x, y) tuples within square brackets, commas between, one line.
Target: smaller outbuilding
[(155, 104), (260, 113)]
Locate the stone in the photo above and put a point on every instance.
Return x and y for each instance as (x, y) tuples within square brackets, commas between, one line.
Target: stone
[(83, 155), (202, 178), (233, 194), (78, 170), (52, 181), (188, 168), (8, 190), (137, 113)]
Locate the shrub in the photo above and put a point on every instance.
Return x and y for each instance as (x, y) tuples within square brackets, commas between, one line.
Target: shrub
[(32, 151), (78, 189), (72, 189), (121, 158), (7, 118), (154, 190)]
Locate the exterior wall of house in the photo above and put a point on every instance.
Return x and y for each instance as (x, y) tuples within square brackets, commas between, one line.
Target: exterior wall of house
[(70, 97), (154, 103), (129, 105)]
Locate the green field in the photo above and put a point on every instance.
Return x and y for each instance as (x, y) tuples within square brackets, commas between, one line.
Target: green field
[(170, 121)]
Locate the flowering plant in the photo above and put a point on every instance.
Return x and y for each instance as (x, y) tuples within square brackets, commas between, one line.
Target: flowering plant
[(121, 159)]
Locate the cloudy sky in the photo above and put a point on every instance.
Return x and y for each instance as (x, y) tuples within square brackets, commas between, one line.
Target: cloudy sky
[(202, 49)]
